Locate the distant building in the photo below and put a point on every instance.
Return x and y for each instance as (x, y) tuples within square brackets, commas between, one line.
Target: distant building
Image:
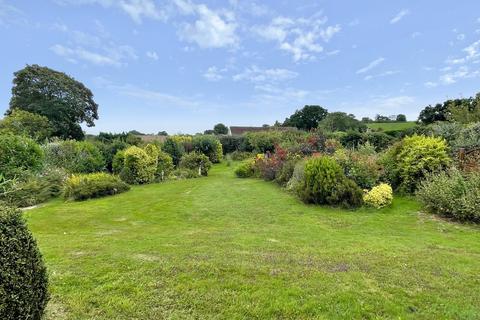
[(237, 131)]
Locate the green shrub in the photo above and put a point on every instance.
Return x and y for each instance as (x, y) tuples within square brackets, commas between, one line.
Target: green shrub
[(35, 188), (325, 183), (164, 166), (286, 172), (208, 145), (182, 173), (23, 276), (138, 166), (407, 162), (379, 140), (380, 196), (352, 139), (361, 166), (109, 149), (17, 155), (241, 155), (263, 141), (174, 148), (93, 185), (231, 144), (196, 161), (118, 162), (74, 156), (245, 169), (296, 182), (23, 123), (452, 194)]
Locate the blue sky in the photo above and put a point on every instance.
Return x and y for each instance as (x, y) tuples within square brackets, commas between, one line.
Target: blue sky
[(182, 66)]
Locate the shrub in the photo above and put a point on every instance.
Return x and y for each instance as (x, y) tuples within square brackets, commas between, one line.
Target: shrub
[(208, 145), (296, 182), (174, 148), (109, 149), (241, 155), (452, 194), (234, 143), (352, 139), (164, 166), (93, 185), (286, 172), (23, 276), (196, 161), (245, 169), (407, 162), (138, 166), (23, 123), (361, 166), (74, 156), (182, 173), (19, 154), (379, 197), (35, 188), (469, 137), (263, 141), (268, 167), (379, 140), (325, 183)]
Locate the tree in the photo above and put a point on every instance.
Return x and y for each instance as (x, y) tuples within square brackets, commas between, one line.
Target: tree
[(380, 118), (28, 124), (340, 121), (220, 128), (401, 118), (64, 101), (433, 114), (306, 118), (162, 133), (465, 110)]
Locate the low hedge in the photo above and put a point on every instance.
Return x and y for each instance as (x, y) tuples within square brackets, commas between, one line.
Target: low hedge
[(23, 275), (93, 185)]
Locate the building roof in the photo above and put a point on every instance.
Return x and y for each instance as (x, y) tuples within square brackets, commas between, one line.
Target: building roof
[(237, 130)]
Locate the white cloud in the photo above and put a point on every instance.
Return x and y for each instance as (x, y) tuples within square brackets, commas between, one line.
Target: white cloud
[(430, 84), (257, 75), (462, 72), (136, 9), (383, 74), (371, 65), (213, 74), (89, 48), (300, 37), (152, 55), (10, 15), (399, 16), (211, 29)]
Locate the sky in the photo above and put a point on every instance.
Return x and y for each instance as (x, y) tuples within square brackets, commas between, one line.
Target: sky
[(184, 65)]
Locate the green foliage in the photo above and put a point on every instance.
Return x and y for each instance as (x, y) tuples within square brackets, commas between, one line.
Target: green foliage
[(407, 162), (23, 123), (183, 173), (263, 141), (23, 275), (362, 167), (245, 169), (468, 137), (241, 155), (164, 165), (380, 140), (465, 110), (174, 148), (352, 139), (93, 185), (138, 166), (452, 194), (74, 156), (63, 100), (36, 188), (325, 183), (208, 145), (231, 144), (306, 118), (196, 161), (340, 121), (19, 154), (379, 196), (109, 150), (220, 128), (433, 114), (401, 118), (286, 171)]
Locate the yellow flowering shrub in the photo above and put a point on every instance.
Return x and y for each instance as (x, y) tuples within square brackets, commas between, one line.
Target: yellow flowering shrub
[(379, 197)]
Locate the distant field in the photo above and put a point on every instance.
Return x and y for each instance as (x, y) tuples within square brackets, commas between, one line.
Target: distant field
[(391, 126)]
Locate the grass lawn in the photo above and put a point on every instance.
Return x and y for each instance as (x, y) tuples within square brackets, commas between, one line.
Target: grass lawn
[(227, 248), (391, 126)]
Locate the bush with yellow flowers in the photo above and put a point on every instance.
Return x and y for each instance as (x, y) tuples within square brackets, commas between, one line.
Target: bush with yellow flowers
[(379, 197)]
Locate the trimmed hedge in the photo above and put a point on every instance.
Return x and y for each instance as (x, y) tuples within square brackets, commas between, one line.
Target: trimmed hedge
[(93, 185), (23, 275)]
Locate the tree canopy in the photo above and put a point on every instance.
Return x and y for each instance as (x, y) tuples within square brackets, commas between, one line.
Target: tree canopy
[(306, 118), (64, 101), (340, 121), (220, 128), (28, 124)]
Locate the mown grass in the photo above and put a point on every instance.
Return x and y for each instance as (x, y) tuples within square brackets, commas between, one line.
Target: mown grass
[(391, 126), (227, 248)]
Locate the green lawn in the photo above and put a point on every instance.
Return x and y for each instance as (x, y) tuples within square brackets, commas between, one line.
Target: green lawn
[(391, 126), (227, 248)]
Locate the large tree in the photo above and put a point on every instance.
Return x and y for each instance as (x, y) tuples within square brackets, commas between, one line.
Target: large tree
[(64, 101), (306, 118), (340, 121), (433, 114), (220, 128)]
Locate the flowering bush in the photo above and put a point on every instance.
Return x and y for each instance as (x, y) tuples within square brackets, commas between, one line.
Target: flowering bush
[(379, 197)]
